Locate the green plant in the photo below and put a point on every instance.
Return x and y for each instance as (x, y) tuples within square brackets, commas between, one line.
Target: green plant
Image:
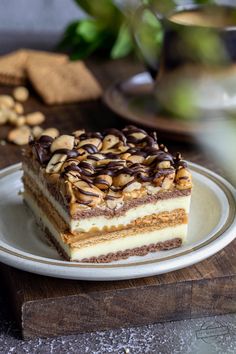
[(105, 29)]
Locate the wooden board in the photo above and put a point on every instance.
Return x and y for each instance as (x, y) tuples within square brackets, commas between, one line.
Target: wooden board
[(48, 307)]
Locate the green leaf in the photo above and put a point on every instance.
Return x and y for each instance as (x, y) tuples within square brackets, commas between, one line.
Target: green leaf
[(89, 29), (104, 10), (123, 44)]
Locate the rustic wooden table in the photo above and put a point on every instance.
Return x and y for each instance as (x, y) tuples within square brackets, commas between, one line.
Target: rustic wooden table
[(208, 288)]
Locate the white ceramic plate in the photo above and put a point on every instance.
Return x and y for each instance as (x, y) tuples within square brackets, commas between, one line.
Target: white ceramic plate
[(212, 227)]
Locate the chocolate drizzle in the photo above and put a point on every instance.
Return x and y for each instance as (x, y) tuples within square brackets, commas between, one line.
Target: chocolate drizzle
[(96, 165)]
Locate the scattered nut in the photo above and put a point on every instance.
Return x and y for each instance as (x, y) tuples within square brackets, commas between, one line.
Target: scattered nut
[(6, 101), (63, 142), (35, 118), (3, 118), (19, 136), (12, 117), (21, 93), (18, 108), (20, 121), (37, 131), (56, 162), (53, 132)]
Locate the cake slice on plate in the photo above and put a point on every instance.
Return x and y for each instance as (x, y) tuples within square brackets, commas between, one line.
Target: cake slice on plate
[(106, 196)]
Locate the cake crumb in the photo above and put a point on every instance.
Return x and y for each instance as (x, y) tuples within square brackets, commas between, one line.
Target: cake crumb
[(126, 350)]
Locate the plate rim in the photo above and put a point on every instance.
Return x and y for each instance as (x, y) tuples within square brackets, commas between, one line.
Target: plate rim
[(220, 239), (180, 128)]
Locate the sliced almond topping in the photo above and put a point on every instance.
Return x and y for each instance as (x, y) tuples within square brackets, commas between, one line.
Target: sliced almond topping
[(53, 132), (183, 178), (85, 194), (164, 164), (168, 181), (136, 159), (138, 135), (132, 187), (92, 141), (103, 182), (79, 132), (63, 142), (122, 179), (56, 162), (109, 141)]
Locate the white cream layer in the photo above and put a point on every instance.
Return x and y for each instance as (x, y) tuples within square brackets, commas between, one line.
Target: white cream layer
[(110, 246), (84, 225)]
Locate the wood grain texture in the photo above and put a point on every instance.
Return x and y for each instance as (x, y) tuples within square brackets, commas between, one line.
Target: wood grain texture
[(48, 307)]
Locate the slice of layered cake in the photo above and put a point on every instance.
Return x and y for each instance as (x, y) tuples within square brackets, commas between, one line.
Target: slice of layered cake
[(101, 197)]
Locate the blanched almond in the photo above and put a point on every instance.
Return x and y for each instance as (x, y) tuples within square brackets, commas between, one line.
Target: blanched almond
[(6, 101), (18, 108), (21, 93), (19, 136), (20, 121), (37, 131), (35, 118), (3, 118)]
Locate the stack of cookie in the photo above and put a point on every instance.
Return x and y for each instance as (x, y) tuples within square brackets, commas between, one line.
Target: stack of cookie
[(54, 77)]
